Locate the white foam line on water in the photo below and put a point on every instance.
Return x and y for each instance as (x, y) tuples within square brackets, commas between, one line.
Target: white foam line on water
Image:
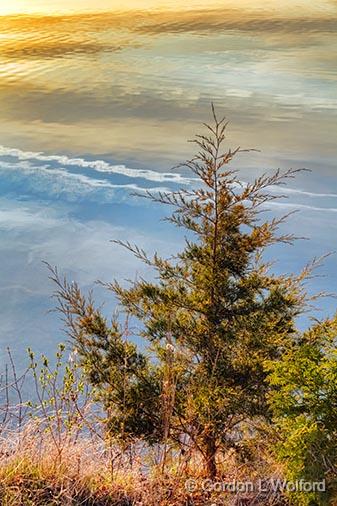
[(148, 175), (285, 190), (97, 165), (293, 191), (301, 206), (62, 174)]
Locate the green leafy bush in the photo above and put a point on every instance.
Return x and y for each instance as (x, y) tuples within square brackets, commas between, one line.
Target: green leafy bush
[(304, 402)]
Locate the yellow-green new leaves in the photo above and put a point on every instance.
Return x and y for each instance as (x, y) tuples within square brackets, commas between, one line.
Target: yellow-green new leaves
[(304, 402)]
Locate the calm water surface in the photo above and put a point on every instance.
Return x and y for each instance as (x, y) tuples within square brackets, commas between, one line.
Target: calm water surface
[(129, 87), (134, 85)]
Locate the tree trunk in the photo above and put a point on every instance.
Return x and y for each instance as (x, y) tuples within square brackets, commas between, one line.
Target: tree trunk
[(210, 454)]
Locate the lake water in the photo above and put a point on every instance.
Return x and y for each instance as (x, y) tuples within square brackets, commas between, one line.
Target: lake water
[(95, 104)]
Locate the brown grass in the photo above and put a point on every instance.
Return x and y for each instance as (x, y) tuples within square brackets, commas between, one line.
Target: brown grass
[(56, 452), (88, 473)]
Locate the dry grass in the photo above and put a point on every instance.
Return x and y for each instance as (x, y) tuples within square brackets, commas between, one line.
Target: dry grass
[(86, 472), (56, 452)]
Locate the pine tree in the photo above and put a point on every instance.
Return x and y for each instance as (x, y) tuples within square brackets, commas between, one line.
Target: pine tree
[(214, 314)]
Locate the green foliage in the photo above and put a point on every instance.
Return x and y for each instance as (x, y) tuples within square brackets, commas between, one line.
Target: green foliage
[(61, 396), (211, 319), (304, 401)]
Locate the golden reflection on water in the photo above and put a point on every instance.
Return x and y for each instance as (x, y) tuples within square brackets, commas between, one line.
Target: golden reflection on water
[(134, 85), (61, 6)]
